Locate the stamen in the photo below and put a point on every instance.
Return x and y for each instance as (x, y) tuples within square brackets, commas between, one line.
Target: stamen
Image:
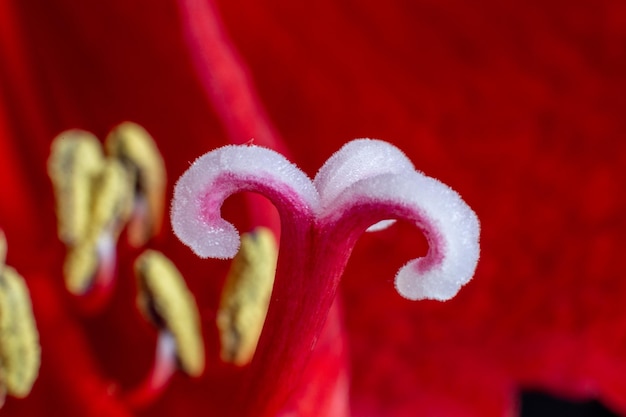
[(246, 296), (135, 148), (166, 301), (97, 197), (19, 340), (20, 352), (93, 258), (75, 162)]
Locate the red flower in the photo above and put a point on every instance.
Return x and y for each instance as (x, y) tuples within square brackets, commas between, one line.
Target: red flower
[(518, 106)]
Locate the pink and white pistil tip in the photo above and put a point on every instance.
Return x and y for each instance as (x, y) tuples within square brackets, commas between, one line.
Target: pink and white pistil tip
[(362, 186)]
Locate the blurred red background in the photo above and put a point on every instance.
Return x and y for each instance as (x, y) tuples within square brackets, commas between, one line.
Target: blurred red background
[(519, 106)]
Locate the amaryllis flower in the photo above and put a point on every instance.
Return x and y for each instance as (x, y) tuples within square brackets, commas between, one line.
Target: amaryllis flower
[(517, 106)]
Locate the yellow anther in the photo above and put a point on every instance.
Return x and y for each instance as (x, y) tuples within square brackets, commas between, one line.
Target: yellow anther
[(112, 204), (112, 200), (163, 292), (246, 296), (135, 148), (19, 340), (75, 162)]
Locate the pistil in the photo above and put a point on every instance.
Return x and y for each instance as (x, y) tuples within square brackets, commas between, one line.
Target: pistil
[(364, 183)]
